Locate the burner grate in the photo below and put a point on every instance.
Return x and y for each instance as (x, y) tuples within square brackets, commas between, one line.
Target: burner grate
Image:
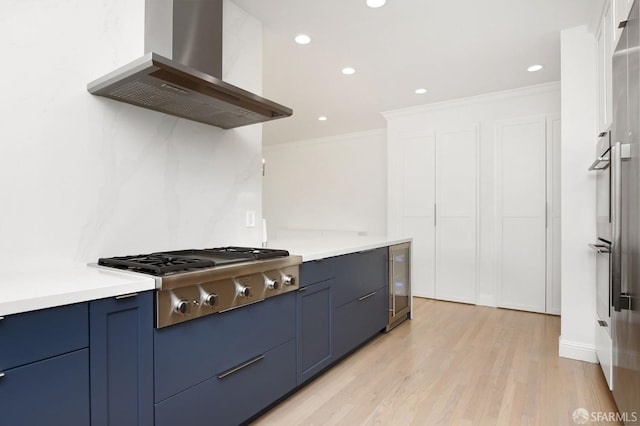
[(248, 252), (156, 263)]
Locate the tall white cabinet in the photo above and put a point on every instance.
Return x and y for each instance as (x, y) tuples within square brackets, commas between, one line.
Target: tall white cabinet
[(438, 206), (476, 184), (456, 180), (526, 207)]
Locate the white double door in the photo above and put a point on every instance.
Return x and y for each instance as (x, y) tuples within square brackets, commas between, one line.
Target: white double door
[(528, 214), (439, 210)]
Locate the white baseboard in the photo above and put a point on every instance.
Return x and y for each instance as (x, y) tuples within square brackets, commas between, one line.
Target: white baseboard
[(577, 350), (486, 300), (424, 295)]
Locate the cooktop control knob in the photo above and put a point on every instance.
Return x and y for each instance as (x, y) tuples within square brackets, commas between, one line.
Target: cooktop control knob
[(244, 291), (182, 307), (289, 280), (211, 299), (271, 284)]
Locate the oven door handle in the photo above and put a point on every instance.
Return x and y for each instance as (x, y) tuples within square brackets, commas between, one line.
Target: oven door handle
[(600, 248), (601, 163), (616, 226)]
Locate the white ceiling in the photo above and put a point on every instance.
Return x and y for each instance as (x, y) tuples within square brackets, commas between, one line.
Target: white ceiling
[(452, 48)]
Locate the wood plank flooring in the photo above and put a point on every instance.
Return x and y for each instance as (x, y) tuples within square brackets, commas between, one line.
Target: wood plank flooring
[(453, 364)]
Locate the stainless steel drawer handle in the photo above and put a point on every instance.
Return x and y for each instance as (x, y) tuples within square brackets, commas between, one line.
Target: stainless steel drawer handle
[(366, 296), (126, 296), (1, 374), (600, 248), (240, 367)]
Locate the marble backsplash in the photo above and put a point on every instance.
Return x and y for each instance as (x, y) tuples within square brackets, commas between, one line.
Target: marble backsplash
[(83, 176)]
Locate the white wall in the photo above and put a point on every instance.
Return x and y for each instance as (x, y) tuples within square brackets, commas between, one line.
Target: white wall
[(484, 111), (83, 176), (327, 187), (578, 62)]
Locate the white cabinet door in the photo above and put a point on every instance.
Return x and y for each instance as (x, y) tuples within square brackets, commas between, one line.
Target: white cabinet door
[(456, 216), (604, 44), (553, 211), (417, 208), (439, 177), (521, 199)]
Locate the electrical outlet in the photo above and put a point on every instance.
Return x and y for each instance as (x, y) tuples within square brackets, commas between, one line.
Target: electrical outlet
[(250, 219)]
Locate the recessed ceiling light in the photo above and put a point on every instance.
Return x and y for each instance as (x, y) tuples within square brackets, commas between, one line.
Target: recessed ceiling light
[(421, 91), (322, 118), (348, 71), (376, 3), (303, 39), (534, 68)]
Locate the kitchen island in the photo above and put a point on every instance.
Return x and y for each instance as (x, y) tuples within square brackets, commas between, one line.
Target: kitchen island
[(123, 366)]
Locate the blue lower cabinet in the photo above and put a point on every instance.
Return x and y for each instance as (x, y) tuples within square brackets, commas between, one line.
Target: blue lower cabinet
[(52, 392), (360, 273), (194, 351), (37, 335), (358, 321), (236, 393), (121, 345), (314, 332)]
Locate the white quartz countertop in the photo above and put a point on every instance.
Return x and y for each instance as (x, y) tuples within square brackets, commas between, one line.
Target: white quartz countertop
[(31, 288), (321, 248)]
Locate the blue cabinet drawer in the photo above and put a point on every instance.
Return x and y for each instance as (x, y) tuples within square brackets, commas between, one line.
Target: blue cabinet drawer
[(314, 271), (236, 397), (192, 352), (360, 273), (358, 321), (37, 335), (53, 392)]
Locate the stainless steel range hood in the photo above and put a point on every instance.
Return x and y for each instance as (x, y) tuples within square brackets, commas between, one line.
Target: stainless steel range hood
[(181, 75)]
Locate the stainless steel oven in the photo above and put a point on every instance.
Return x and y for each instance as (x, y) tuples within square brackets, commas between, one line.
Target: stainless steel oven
[(603, 247)]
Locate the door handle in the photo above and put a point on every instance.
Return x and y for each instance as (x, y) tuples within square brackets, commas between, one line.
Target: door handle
[(126, 296), (600, 248)]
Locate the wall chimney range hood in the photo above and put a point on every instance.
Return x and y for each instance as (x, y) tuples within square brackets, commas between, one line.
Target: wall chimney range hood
[(181, 76)]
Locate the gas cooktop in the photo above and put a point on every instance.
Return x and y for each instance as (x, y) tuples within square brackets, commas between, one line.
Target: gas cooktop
[(172, 262), (194, 283)]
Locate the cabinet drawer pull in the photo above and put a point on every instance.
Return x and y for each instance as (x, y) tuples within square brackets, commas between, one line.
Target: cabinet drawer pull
[(1, 318), (302, 289), (367, 251), (1, 374), (126, 296), (240, 367), (366, 296)]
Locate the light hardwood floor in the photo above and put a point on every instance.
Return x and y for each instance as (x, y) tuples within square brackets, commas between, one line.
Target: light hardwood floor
[(453, 364)]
